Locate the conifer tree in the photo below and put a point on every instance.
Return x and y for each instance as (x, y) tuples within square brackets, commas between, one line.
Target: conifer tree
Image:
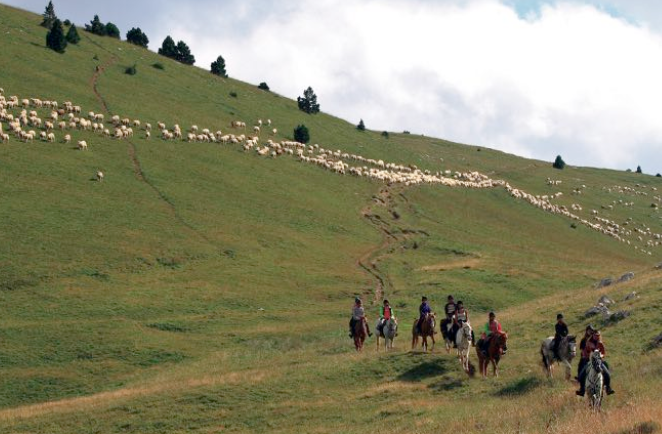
[(137, 37), (96, 26), (301, 134), (558, 163), (361, 126), (55, 39), (72, 35), (49, 16), (112, 30), (218, 67), (168, 48), (308, 103), (184, 54)]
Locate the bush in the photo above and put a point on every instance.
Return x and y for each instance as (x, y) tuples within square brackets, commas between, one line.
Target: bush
[(131, 70), (385, 134), (158, 65), (233, 94), (406, 132), (96, 27), (72, 35), (638, 169), (67, 23), (137, 37), (658, 175), (301, 134), (55, 39), (263, 86), (361, 126), (558, 163), (112, 31), (218, 67)]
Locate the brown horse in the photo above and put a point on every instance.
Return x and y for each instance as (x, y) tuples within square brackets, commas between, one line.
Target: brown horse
[(427, 330), (496, 348), (360, 333)]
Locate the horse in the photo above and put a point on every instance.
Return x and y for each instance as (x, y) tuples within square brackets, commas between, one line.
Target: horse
[(360, 333), (427, 330), (463, 342), (594, 380), (387, 332), (446, 327), (497, 348), (567, 351)]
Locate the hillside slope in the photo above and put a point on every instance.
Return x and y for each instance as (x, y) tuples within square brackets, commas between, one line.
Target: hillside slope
[(201, 287)]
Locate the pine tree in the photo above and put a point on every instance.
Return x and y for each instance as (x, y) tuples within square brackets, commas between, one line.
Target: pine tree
[(558, 163), (308, 103), (168, 48), (263, 86), (361, 126), (55, 39), (112, 30), (184, 54), (301, 134), (96, 26), (72, 35), (218, 67), (137, 37), (49, 16), (639, 169)]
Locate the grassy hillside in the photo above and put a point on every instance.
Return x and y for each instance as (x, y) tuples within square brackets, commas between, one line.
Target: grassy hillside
[(201, 288)]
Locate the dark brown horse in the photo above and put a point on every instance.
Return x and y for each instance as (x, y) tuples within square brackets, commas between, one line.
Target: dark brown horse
[(496, 348), (360, 333), (427, 330)]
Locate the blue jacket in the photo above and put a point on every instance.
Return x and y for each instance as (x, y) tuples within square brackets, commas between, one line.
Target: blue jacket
[(424, 309)]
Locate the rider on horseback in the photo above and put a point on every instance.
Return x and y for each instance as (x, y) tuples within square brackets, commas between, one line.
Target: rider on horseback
[(449, 310), (594, 343), (424, 310), (491, 328), (358, 314), (582, 344), (561, 331), (385, 313), (461, 316)]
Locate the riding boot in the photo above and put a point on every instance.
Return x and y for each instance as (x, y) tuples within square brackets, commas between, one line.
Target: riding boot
[(582, 381)]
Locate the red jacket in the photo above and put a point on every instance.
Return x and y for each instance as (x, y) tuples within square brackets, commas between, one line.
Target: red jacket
[(590, 346)]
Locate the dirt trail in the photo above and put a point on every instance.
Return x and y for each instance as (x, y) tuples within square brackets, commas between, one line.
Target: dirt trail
[(381, 214), (132, 151)]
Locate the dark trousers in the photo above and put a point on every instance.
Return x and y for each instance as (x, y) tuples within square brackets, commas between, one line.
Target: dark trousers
[(582, 374)]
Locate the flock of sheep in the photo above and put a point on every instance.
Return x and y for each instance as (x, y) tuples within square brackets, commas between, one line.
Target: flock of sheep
[(67, 118)]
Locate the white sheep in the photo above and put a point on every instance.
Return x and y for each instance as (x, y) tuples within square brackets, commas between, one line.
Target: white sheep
[(99, 175), (67, 138), (82, 145)]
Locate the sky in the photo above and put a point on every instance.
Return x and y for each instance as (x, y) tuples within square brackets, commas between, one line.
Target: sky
[(536, 78)]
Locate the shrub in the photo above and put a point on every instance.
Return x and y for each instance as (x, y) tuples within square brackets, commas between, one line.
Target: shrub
[(218, 67), (55, 39), (658, 175), (558, 163), (638, 169), (96, 26), (72, 35), (361, 126), (233, 94), (385, 134), (137, 37), (301, 134), (67, 23), (263, 86), (112, 31), (131, 70), (406, 132), (158, 65)]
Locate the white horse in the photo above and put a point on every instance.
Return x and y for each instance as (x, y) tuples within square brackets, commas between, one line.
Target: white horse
[(387, 332), (463, 341), (594, 380), (567, 351)]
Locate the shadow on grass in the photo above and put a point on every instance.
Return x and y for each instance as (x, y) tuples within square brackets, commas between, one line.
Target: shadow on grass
[(446, 384), (520, 387), (643, 428), (424, 369)]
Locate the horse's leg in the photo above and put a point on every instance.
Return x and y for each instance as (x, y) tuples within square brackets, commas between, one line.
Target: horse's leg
[(433, 342)]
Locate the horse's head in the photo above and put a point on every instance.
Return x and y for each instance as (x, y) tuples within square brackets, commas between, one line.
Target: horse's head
[(596, 360), (572, 345), (502, 342), (466, 330)]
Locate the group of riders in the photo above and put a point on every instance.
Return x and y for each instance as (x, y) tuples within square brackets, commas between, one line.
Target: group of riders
[(457, 314)]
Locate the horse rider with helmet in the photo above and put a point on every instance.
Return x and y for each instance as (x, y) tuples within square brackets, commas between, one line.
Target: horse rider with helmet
[(582, 344), (424, 310), (594, 343), (561, 331), (358, 314), (491, 328), (461, 316), (385, 314), (449, 310)]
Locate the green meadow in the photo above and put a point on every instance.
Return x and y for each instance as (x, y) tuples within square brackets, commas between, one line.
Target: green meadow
[(202, 288)]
